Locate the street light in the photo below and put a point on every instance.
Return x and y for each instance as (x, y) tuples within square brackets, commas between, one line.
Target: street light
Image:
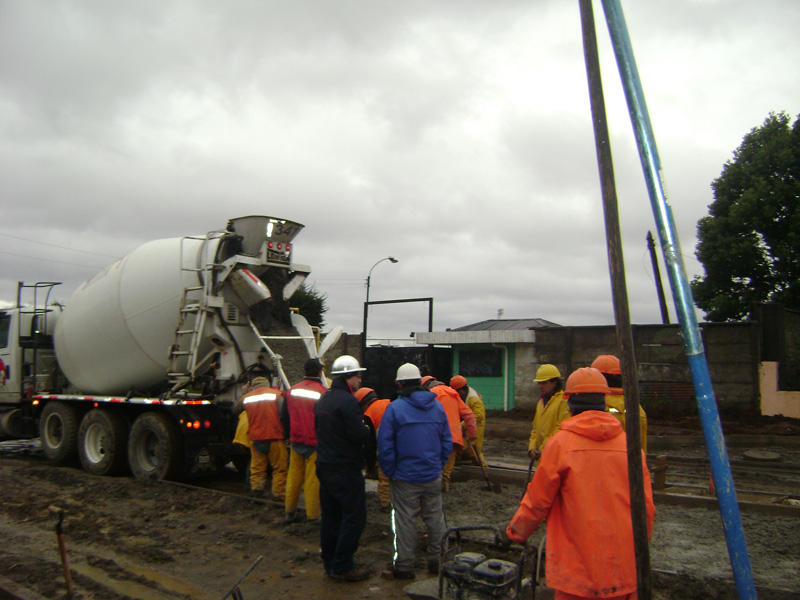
[(393, 260)]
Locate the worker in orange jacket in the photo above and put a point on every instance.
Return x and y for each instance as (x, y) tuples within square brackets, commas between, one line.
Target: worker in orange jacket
[(609, 366), (373, 409), (261, 403), (456, 411), (581, 488)]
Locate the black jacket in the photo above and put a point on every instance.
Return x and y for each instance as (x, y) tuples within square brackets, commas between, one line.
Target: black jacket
[(341, 431)]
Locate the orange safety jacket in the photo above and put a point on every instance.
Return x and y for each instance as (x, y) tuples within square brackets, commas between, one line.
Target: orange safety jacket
[(261, 406), (375, 412), (456, 411), (581, 488)]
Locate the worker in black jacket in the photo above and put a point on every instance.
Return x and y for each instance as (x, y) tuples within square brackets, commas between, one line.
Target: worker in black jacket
[(341, 433)]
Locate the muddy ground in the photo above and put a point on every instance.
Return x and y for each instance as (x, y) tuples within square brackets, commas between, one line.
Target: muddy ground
[(161, 540)]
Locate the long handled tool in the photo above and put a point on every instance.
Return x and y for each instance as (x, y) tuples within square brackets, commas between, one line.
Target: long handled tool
[(57, 515), (235, 592), (492, 487), (528, 480)]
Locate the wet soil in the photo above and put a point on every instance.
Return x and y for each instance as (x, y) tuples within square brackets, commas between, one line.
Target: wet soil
[(160, 540)]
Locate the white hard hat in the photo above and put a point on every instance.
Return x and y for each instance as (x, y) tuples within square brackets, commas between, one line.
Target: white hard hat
[(345, 364), (408, 371)]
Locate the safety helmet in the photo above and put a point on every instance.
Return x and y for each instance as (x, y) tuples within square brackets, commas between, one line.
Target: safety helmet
[(607, 363), (458, 382), (345, 364), (408, 371), (586, 380), (426, 379), (546, 373), (360, 393)]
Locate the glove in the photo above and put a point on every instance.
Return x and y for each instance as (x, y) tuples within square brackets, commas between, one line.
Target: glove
[(501, 539)]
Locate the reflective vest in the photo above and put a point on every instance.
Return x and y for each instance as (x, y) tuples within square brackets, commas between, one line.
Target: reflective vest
[(300, 401), (261, 406)]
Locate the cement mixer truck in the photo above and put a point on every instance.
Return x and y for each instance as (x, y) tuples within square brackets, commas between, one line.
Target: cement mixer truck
[(140, 369)]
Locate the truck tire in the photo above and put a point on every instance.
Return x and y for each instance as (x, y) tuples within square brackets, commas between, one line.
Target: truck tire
[(103, 442), (11, 424), (58, 431), (155, 447)]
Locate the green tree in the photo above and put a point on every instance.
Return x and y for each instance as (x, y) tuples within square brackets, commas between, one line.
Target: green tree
[(749, 244), (311, 303)]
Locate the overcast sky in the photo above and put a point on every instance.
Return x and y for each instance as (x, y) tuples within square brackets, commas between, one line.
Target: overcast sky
[(453, 135)]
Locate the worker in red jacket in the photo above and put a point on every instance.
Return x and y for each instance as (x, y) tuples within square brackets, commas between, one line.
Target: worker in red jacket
[(297, 418), (581, 488), (456, 411)]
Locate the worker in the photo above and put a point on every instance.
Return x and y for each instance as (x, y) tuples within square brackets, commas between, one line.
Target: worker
[(551, 409), (341, 434), (297, 418), (456, 412), (373, 409), (475, 403), (261, 403), (609, 366), (414, 443), (581, 488), (242, 440)]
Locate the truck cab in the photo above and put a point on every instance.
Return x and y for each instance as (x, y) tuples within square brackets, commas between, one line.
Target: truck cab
[(27, 356)]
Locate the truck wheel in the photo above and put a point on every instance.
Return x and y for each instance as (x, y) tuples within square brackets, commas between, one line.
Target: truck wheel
[(102, 442), (58, 431), (11, 424), (155, 447)]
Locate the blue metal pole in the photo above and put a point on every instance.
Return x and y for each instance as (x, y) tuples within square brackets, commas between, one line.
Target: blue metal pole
[(684, 304)]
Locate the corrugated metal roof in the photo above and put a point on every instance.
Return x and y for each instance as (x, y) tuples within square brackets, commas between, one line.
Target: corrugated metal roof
[(506, 325)]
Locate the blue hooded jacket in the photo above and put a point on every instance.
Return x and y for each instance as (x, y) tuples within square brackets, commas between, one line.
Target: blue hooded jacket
[(414, 440)]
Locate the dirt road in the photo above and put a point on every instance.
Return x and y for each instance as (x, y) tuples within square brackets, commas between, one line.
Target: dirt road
[(160, 540)]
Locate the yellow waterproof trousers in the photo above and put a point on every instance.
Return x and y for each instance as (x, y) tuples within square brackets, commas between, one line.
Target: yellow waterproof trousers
[(277, 457), (303, 471)]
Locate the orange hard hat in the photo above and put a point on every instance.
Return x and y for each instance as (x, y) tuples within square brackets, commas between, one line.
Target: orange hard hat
[(586, 380), (458, 382), (426, 379), (607, 363), (361, 392)]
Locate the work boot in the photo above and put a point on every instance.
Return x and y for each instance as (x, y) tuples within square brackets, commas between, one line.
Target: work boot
[(354, 574), (291, 517)]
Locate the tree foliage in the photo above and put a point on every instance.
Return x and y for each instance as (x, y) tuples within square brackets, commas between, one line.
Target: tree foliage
[(311, 303), (749, 244)]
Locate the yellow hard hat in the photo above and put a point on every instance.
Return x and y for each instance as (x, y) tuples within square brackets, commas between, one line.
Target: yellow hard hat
[(546, 373)]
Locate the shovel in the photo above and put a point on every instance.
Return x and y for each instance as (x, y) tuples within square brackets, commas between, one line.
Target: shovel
[(492, 487), (57, 514)]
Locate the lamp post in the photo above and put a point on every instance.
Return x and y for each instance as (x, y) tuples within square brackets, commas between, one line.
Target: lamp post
[(393, 260)]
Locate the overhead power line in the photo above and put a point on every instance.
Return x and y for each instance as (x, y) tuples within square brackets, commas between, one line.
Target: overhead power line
[(56, 246), (61, 262)]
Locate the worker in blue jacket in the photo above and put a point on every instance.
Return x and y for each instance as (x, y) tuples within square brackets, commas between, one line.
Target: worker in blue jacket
[(414, 443)]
